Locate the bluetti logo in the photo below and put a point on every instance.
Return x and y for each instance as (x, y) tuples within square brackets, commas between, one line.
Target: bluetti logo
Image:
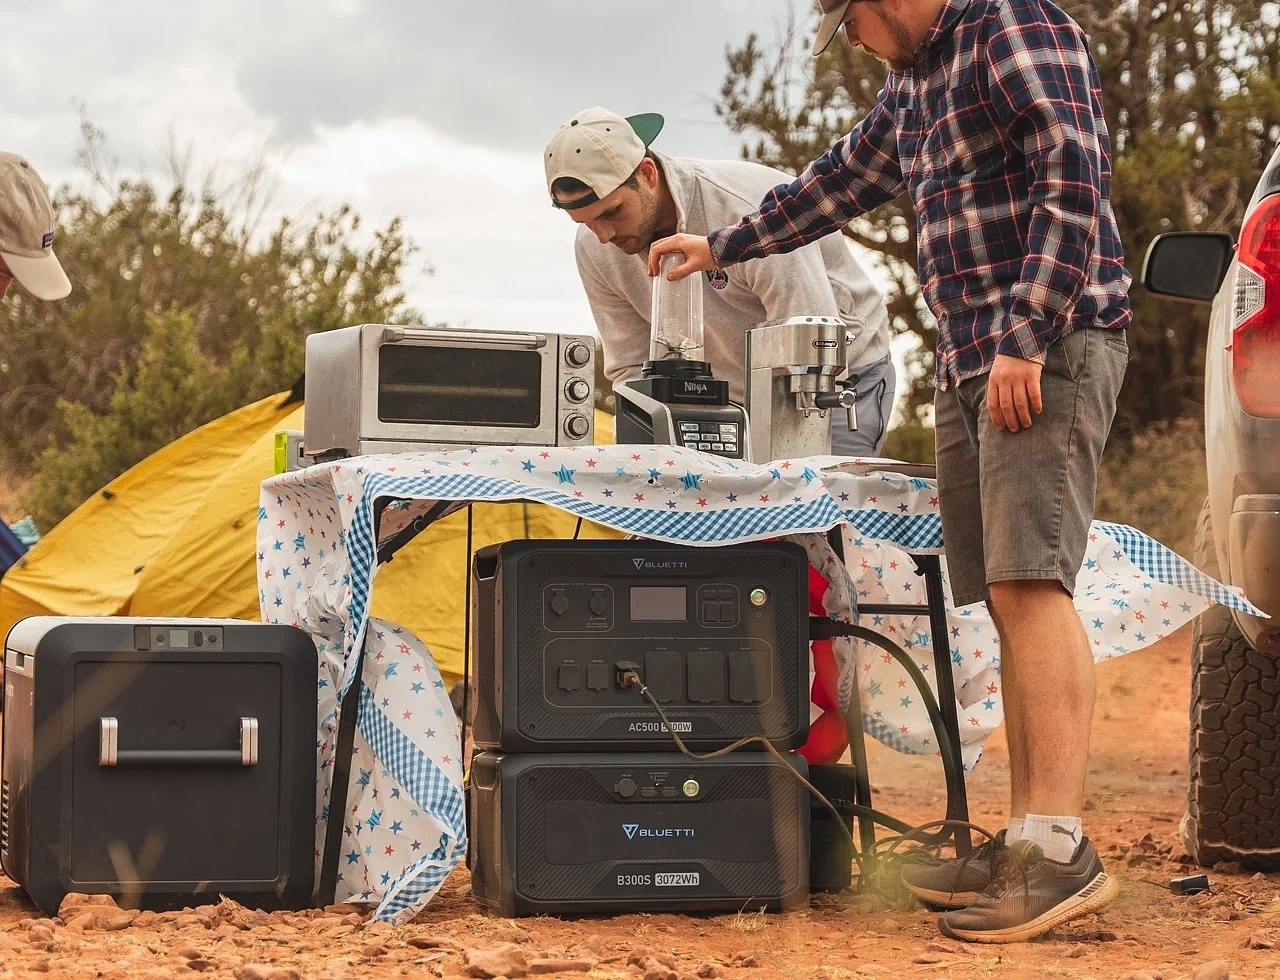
[(634, 830), (642, 563)]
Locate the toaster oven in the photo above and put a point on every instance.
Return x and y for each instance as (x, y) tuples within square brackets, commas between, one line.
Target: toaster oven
[(377, 388)]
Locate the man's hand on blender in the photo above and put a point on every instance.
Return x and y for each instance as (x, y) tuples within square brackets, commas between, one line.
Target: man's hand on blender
[(696, 250)]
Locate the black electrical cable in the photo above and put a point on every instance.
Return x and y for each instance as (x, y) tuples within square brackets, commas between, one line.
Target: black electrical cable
[(905, 832)]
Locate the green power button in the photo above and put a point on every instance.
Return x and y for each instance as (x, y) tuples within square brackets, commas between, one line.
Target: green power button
[(691, 787)]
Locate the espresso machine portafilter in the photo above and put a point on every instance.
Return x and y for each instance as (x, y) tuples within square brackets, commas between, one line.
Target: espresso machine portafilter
[(792, 369)]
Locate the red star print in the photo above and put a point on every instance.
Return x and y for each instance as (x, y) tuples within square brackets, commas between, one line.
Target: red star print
[(991, 689), (591, 464), (873, 500), (764, 498), (901, 682), (267, 573), (893, 565), (904, 729), (973, 721), (417, 668), (702, 501), (639, 497), (402, 647), (786, 465), (670, 462), (389, 850), (1093, 537), (407, 716), (446, 759), (635, 457), (545, 455), (933, 501), (281, 524), (577, 493)]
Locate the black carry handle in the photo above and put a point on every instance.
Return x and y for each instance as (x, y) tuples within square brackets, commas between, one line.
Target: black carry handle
[(342, 752), (111, 756)]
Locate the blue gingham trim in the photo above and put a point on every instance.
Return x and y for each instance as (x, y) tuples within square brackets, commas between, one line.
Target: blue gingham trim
[(431, 789), (919, 533), (1166, 566)]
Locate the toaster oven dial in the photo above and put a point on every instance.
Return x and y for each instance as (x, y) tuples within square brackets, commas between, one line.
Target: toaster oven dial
[(577, 354), (577, 426), (577, 390)]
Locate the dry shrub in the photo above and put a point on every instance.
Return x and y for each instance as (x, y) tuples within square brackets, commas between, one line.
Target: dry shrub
[(1156, 482)]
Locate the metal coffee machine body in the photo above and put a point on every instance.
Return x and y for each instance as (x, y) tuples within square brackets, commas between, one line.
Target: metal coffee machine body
[(793, 368), (678, 401)]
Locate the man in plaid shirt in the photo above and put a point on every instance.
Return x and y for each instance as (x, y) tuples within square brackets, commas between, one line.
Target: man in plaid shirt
[(991, 119)]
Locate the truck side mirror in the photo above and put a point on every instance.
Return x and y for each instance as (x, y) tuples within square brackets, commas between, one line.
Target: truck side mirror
[(1187, 265)]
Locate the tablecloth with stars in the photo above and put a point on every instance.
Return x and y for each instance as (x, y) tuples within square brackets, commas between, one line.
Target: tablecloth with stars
[(319, 529)]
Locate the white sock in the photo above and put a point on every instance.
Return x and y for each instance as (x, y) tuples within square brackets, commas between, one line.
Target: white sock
[(1015, 830), (1058, 837)]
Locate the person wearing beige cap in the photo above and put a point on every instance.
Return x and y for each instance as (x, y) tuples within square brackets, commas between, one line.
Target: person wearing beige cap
[(27, 227), (603, 173)]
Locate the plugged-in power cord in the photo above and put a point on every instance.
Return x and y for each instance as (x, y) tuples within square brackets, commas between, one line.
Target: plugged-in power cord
[(628, 676)]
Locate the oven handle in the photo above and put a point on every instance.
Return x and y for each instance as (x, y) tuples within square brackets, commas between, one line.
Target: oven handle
[(395, 335)]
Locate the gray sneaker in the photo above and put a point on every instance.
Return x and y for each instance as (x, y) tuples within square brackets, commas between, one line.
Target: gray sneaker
[(1031, 895), (958, 882)]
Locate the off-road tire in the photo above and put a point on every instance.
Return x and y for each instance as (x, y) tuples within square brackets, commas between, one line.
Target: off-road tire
[(1233, 796)]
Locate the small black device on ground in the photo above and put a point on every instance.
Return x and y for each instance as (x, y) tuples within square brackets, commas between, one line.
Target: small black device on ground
[(165, 762), (592, 834), (719, 635)]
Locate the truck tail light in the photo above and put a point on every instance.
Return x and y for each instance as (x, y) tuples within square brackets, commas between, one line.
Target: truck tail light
[(1255, 344)]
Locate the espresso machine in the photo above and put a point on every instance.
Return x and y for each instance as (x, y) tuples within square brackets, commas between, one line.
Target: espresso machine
[(792, 367), (677, 401)]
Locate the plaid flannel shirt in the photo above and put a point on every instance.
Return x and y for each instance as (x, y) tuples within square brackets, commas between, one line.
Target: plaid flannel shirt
[(998, 134)]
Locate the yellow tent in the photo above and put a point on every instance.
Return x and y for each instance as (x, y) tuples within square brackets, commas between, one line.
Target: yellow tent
[(176, 536)]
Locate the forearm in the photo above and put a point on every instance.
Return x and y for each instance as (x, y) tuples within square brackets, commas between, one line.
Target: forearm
[(859, 173)]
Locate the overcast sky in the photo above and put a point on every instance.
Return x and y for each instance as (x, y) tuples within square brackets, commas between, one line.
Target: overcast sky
[(433, 110)]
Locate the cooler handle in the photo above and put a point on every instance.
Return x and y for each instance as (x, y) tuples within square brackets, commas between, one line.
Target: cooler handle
[(110, 755)]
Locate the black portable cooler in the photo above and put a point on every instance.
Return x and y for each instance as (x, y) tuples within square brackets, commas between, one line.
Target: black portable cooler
[(164, 762)]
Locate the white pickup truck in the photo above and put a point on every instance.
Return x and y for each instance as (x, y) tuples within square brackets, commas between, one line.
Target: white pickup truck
[(1233, 802)]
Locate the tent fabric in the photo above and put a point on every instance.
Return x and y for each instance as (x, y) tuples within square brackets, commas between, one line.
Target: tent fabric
[(176, 536), (11, 548)]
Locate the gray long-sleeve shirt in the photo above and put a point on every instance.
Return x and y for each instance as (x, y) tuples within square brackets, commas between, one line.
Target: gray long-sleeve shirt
[(820, 279)]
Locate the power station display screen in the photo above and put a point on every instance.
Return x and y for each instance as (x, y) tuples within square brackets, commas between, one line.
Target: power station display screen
[(658, 604)]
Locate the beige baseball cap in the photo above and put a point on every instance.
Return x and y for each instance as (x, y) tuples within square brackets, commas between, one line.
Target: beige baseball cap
[(601, 149), (832, 18), (27, 226)]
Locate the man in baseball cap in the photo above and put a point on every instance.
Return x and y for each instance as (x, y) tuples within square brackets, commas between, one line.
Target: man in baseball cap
[(602, 171), (833, 12), (27, 227)]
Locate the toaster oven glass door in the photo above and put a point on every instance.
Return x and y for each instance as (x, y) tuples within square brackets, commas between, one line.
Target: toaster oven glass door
[(459, 385)]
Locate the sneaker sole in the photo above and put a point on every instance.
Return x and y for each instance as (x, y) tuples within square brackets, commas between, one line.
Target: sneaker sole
[(943, 900), (1096, 895)]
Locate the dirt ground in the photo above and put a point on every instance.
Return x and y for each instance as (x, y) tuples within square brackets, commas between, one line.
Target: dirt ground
[(1135, 797)]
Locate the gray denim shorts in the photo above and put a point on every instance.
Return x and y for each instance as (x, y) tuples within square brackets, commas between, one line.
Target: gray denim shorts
[(1018, 505)]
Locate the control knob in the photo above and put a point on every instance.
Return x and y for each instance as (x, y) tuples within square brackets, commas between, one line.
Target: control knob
[(626, 787), (577, 426), (577, 354), (577, 390)]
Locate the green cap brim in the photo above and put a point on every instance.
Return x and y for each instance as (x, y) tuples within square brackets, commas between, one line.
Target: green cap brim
[(647, 126)]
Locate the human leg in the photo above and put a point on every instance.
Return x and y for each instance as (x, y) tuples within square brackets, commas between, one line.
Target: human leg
[(1037, 504)]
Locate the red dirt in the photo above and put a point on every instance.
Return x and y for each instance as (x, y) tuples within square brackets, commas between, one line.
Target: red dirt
[(1136, 790)]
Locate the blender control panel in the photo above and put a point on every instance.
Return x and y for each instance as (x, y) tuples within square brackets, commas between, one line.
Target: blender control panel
[(721, 438)]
